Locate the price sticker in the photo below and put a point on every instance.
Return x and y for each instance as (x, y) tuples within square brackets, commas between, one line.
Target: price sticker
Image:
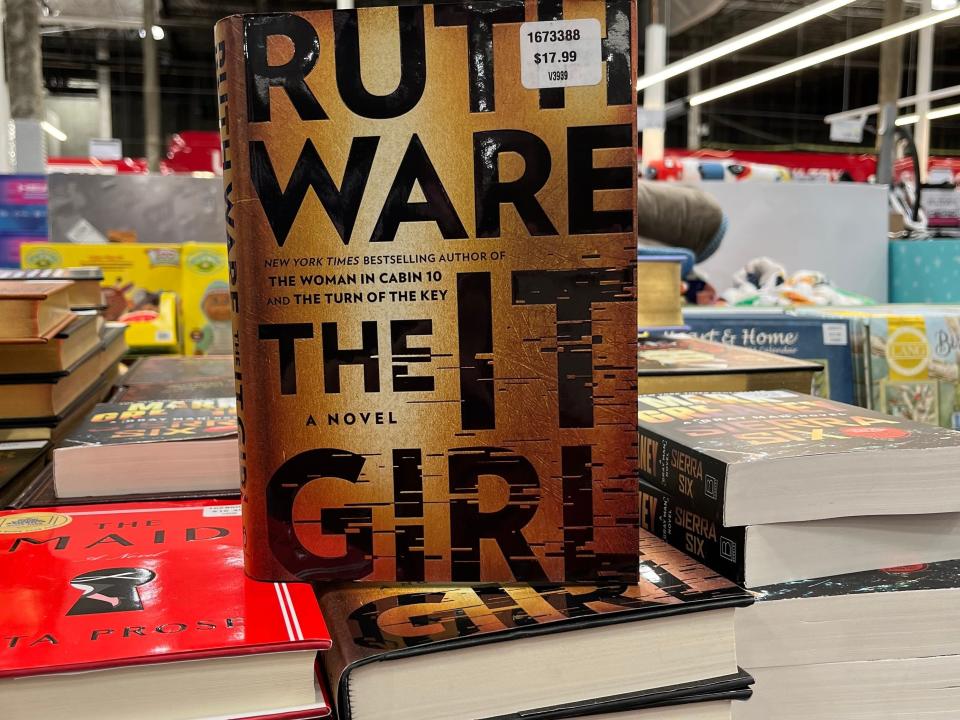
[(560, 53)]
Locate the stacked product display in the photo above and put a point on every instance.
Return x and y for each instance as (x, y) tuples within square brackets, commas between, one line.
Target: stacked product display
[(426, 439), (58, 358)]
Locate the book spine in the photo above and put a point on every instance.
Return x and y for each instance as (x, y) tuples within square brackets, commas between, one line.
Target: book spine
[(228, 40), (702, 537), (683, 472), (682, 502)]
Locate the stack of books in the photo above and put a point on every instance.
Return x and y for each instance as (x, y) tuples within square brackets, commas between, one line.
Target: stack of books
[(880, 643), (828, 341), (173, 297), (764, 486), (801, 498), (58, 358), (134, 598), (684, 363), (153, 439)]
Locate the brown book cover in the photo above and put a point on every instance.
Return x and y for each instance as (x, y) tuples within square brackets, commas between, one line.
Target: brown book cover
[(84, 293), (383, 624), (430, 221), (53, 354), (177, 369), (684, 363), (32, 312), (50, 394)]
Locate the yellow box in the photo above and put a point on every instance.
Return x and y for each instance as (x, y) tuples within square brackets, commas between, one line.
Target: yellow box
[(142, 282), (205, 298)]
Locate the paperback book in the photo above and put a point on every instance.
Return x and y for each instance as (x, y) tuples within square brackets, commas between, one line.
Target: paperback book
[(717, 466), (895, 612), (440, 316), (148, 447)]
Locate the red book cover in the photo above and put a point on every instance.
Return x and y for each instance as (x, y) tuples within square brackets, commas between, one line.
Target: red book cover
[(103, 586)]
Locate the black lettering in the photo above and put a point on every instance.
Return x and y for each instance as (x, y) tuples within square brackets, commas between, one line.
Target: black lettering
[(61, 542), (171, 628), (408, 506), (353, 524), (413, 65), (468, 525), (416, 168), (291, 76), (574, 292), (479, 21), (475, 322), (110, 539), (218, 532), (341, 204), (367, 356), (581, 142), (285, 334), (491, 192), (403, 355), (616, 53)]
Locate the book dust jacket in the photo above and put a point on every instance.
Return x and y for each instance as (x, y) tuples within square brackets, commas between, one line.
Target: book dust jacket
[(430, 221)]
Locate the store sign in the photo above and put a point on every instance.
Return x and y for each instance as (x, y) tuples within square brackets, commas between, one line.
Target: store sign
[(651, 119), (105, 148), (849, 131)]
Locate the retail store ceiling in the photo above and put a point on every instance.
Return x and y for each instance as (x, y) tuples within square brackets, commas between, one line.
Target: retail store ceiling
[(787, 112)]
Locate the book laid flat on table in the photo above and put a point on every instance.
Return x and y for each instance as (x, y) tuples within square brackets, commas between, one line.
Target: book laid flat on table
[(436, 357), (147, 603), (900, 688), (404, 651), (704, 700), (84, 293), (56, 427), (20, 463), (36, 309), (898, 612), (682, 363), (52, 354), (717, 468), (37, 395), (178, 378), (151, 447), (826, 341)]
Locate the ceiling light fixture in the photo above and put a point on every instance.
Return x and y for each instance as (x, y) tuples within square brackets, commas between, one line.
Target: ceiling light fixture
[(727, 47), (53, 131), (834, 51), (935, 114)]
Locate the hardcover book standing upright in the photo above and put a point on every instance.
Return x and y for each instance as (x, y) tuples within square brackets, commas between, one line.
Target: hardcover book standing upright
[(431, 233)]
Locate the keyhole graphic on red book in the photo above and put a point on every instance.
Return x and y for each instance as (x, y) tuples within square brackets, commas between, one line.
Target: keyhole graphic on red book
[(110, 590)]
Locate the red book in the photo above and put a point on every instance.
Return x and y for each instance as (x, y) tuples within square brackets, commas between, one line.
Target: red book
[(150, 597)]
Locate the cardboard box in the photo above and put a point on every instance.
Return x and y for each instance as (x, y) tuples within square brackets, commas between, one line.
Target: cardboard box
[(205, 299), (142, 283)]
